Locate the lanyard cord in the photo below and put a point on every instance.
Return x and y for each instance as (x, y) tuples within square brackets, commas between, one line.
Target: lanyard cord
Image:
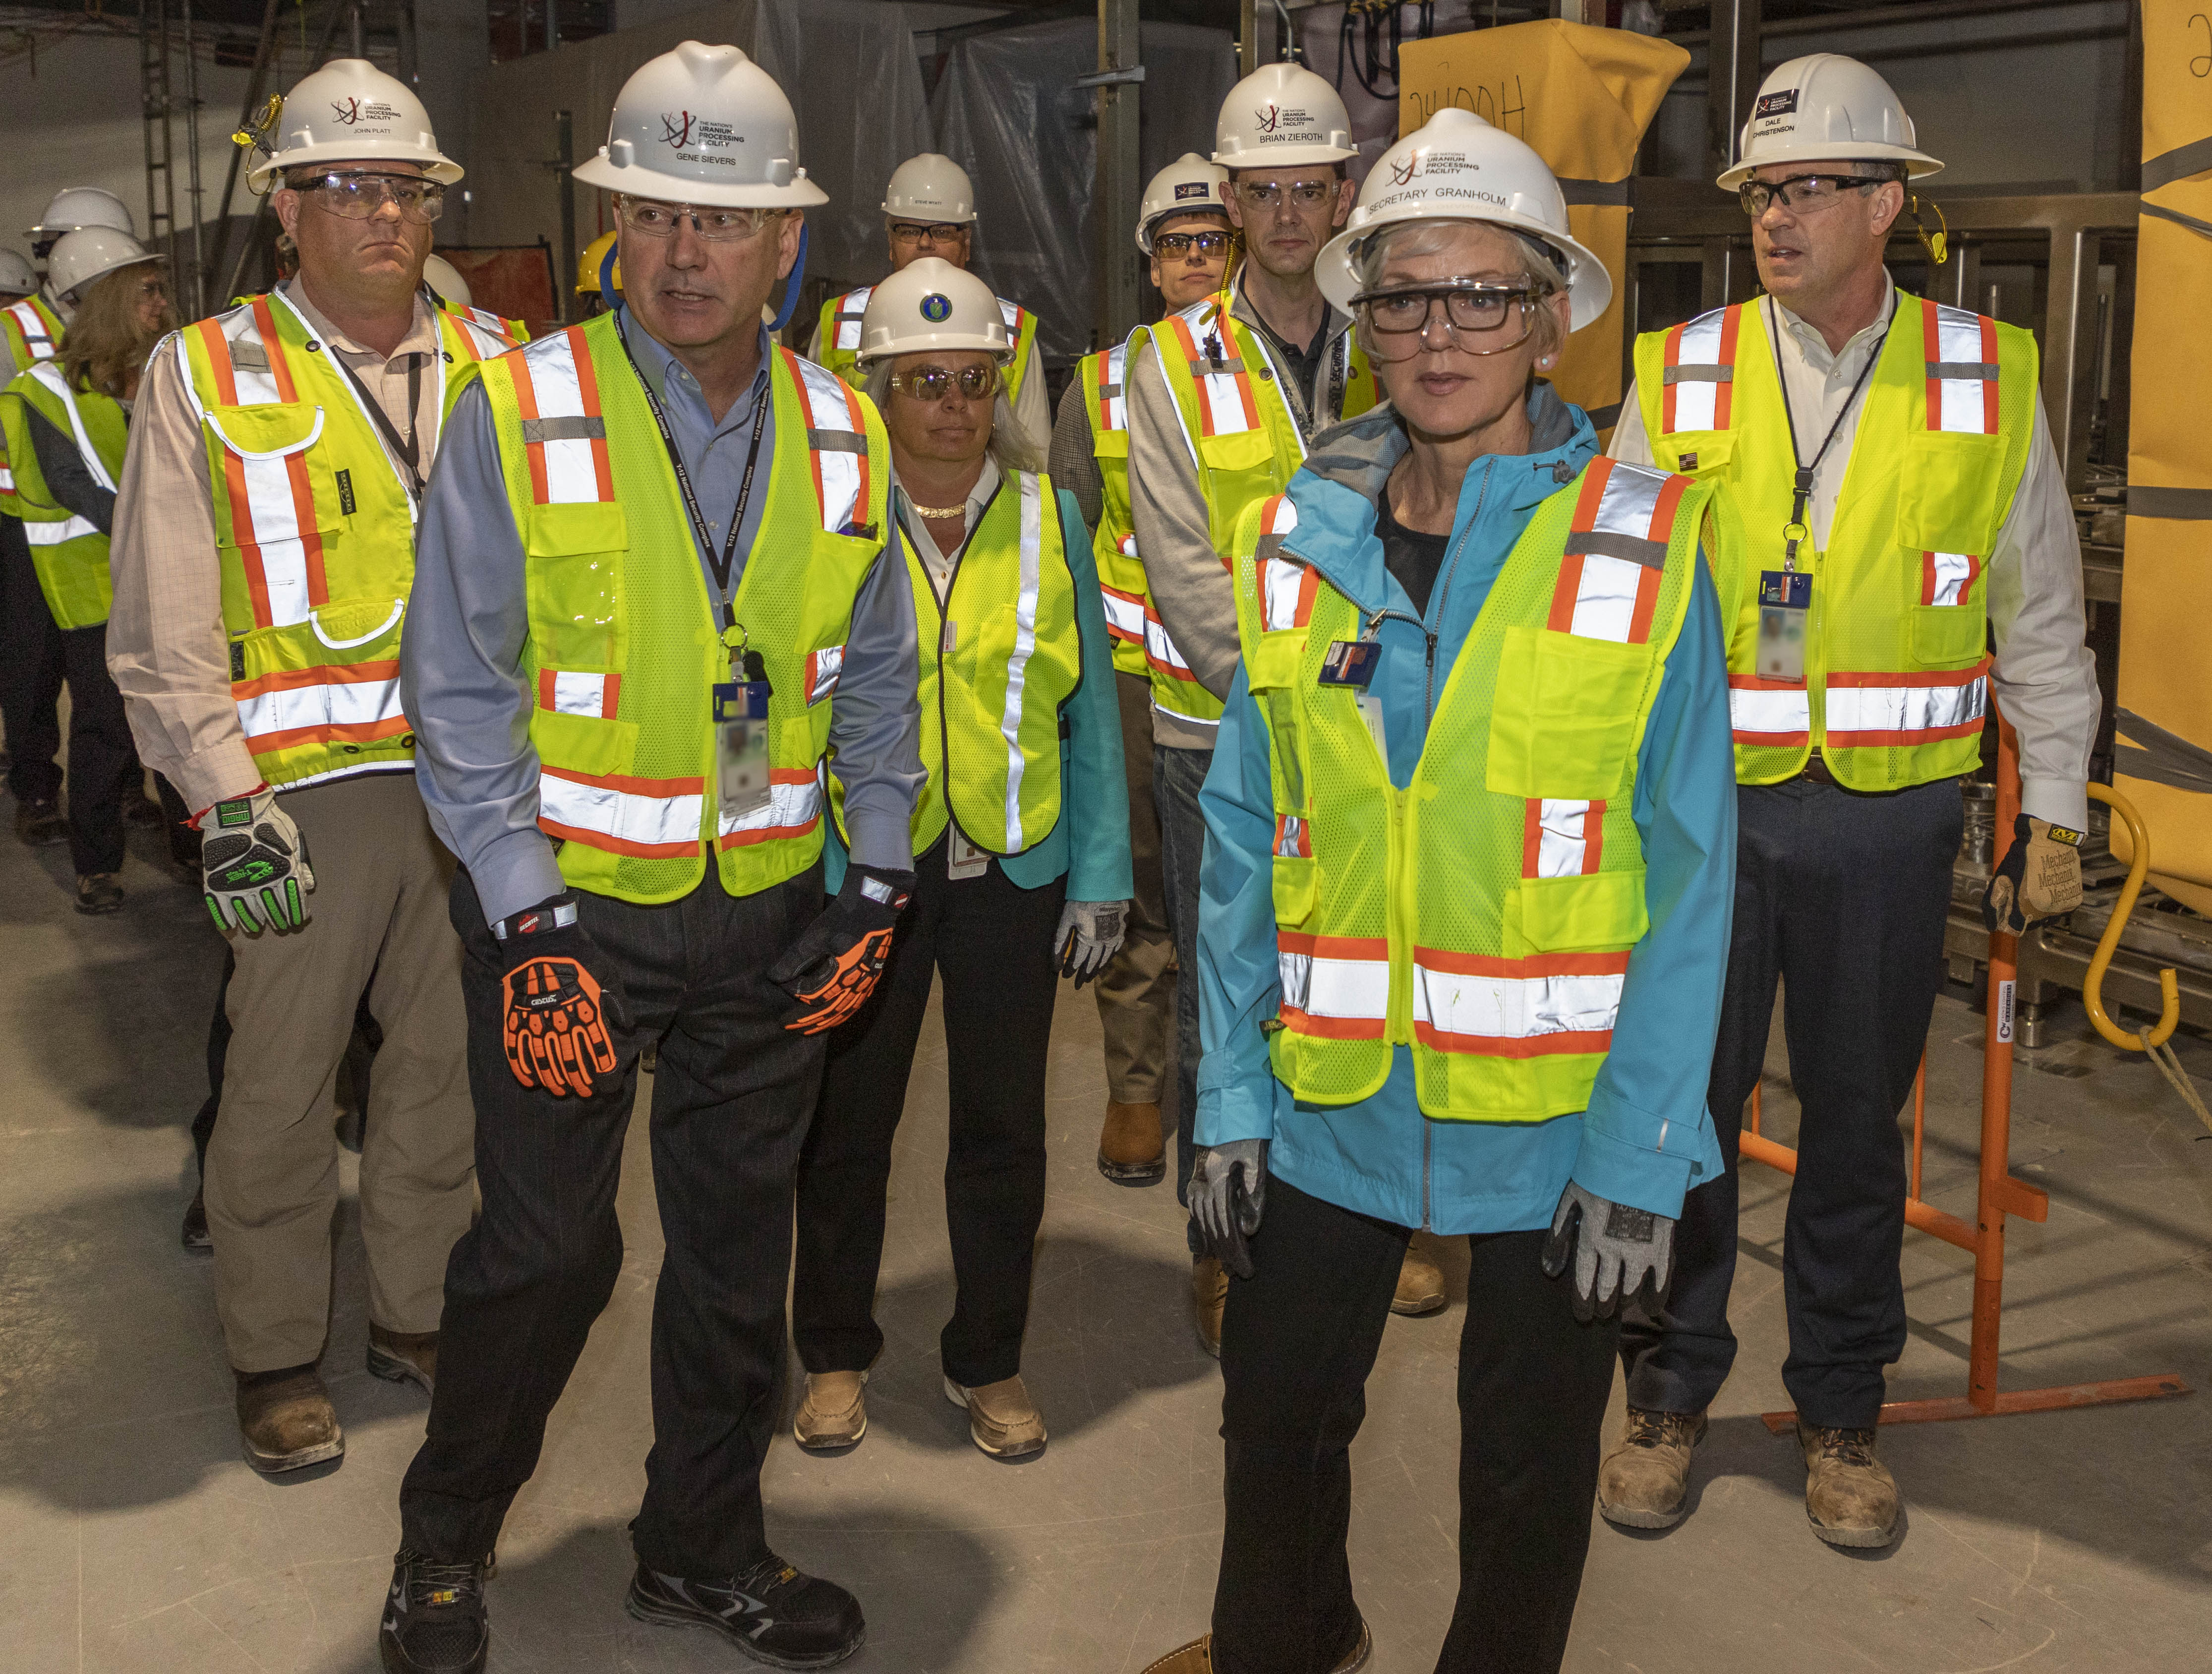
[(722, 565), (1803, 487), (409, 452)]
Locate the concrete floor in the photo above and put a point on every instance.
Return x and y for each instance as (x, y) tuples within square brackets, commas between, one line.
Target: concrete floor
[(133, 1538)]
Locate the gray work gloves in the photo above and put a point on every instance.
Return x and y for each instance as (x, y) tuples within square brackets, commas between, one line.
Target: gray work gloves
[(1089, 934), (255, 863), (1228, 1190), (1620, 1253)]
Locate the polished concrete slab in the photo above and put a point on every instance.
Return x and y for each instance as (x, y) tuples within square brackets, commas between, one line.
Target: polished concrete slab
[(132, 1537)]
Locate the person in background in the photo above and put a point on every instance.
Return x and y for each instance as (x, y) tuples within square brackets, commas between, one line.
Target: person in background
[(1022, 869), (929, 211), (1470, 834), (595, 277), (66, 421), (1184, 233)]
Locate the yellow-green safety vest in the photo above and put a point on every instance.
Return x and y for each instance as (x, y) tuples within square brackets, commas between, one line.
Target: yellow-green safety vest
[(512, 330), (1000, 661), (1484, 914), (68, 551), (840, 331), (625, 644), (33, 333), (315, 536), (1244, 434), (1129, 603), (1896, 681)]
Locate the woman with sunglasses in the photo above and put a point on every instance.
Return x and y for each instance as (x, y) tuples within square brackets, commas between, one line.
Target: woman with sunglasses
[(1463, 919), (1021, 843)]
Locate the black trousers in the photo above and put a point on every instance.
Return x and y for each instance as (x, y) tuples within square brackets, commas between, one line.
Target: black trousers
[(992, 941), (1842, 897), (1178, 776), (731, 1101), (31, 673), (1296, 1344), (101, 756)]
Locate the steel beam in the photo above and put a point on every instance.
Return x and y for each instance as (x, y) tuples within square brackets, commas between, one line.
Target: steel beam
[(1117, 189), (1731, 78)]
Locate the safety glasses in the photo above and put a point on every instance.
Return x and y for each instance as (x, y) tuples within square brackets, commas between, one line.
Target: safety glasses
[(934, 383), (1468, 310), (1267, 194), (911, 235), (1174, 247), (650, 218), (1802, 194), (358, 196)]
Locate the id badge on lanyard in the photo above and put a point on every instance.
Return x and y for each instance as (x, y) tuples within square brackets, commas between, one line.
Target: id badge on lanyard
[(739, 713), (1785, 601), (1352, 663)]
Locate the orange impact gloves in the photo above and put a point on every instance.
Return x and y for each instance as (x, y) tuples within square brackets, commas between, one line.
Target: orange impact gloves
[(832, 969), (559, 1026)]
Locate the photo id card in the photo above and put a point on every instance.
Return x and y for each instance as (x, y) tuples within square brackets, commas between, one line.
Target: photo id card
[(1351, 662), (1785, 600), (740, 717)]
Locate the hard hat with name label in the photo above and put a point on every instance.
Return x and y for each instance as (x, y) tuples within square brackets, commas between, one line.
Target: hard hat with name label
[(1282, 116), (1460, 168), (349, 111), (17, 279), (1189, 185), (591, 261), (1825, 108), (703, 125), (82, 206), (80, 256), (442, 277), (931, 304), (931, 188)]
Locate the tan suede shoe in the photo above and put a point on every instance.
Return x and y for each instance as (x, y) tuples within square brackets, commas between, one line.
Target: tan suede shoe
[(285, 1420), (1645, 1482), (1420, 1285), (834, 1415), (1001, 1417), (1197, 1657), (403, 1357), (1131, 1151), (1209, 1295), (1850, 1498)]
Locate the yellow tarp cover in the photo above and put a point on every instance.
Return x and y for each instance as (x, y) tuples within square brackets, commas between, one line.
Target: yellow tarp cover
[(1581, 96)]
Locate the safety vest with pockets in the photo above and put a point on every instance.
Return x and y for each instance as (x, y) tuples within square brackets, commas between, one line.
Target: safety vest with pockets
[(512, 330), (314, 534), (840, 333), (33, 333), (1484, 914), (1246, 439), (68, 552), (1104, 379), (1896, 682), (624, 642)]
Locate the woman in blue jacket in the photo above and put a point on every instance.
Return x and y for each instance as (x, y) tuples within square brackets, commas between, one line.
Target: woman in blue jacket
[(1465, 906), (1021, 839)]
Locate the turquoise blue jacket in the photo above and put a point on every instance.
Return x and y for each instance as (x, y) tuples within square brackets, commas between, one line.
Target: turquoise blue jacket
[(1646, 1137), (1090, 843)]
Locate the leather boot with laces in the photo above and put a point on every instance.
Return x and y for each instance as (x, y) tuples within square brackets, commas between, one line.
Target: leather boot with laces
[(434, 1618), (1850, 1498), (1645, 1482), (771, 1613)]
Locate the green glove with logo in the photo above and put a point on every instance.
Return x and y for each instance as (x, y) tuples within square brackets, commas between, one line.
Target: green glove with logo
[(255, 862)]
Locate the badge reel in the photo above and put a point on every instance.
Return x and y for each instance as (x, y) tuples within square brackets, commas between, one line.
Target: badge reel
[(1352, 663), (741, 731), (1785, 600)]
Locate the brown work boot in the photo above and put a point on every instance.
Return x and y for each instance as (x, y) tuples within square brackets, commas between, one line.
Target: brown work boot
[(1197, 1657), (834, 1415), (286, 1420), (38, 822), (403, 1357), (1420, 1285), (98, 892), (1209, 1295), (1001, 1417), (1850, 1498), (1131, 1152), (1645, 1482)]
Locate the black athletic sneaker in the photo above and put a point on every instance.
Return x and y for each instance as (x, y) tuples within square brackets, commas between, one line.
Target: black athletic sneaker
[(772, 1613), (435, 1619)]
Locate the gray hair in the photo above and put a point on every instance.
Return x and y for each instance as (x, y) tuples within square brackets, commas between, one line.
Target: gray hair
[(1010, 446), (1539, 262)]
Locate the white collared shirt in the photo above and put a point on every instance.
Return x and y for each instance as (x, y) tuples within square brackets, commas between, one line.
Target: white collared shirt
[(938, 564)]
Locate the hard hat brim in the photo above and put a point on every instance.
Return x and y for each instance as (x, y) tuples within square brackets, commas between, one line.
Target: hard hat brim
[(1285, 156), (938, 340), (639, 181), (115, 266), (1589, 286), (1144, 228), (967, 220), (1919, 164), (436, 166)]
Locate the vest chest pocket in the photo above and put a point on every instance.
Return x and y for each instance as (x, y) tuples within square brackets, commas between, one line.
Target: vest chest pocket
[(574, 559), (1600, 911), (271, 458), (1565, 715), (1947, 492), (1700, 453), (1241, 450)]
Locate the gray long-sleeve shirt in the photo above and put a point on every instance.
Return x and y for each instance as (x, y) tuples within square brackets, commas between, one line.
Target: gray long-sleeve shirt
[(461, 673)]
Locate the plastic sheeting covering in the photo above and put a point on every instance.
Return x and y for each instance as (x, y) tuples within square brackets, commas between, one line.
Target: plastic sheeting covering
[(1008, 112), (1365, 76)]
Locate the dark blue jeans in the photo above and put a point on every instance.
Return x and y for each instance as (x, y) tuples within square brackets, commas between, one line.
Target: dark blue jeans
[(1177, 776)]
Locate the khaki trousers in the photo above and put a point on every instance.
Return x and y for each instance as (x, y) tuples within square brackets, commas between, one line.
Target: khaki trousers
[(377, 920), (1136, 991)]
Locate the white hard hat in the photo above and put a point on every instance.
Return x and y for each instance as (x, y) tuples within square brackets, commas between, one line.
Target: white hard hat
[(1189, 185), (79, 258), (931, 188), (1825, 108), (82, 206), (442, 277), (1282, 116), (1460, 168), (703, 125), (349, 111), (931, 304), (16, 276)]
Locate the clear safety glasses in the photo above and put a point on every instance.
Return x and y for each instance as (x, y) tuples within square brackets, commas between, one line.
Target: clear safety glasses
[(934, 383), (1469, 311), (1174, 247), (358, 196), (649, 218), (1802, 194), (1267, 194)]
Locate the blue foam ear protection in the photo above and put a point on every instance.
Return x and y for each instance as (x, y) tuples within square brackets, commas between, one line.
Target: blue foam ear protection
[(791, 292)]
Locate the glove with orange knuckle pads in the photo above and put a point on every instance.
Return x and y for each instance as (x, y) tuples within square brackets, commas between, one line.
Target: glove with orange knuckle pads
[(832, 969), (560, 1022)]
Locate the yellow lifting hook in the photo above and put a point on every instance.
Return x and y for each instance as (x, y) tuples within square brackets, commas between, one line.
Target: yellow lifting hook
[(2169, 988)]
